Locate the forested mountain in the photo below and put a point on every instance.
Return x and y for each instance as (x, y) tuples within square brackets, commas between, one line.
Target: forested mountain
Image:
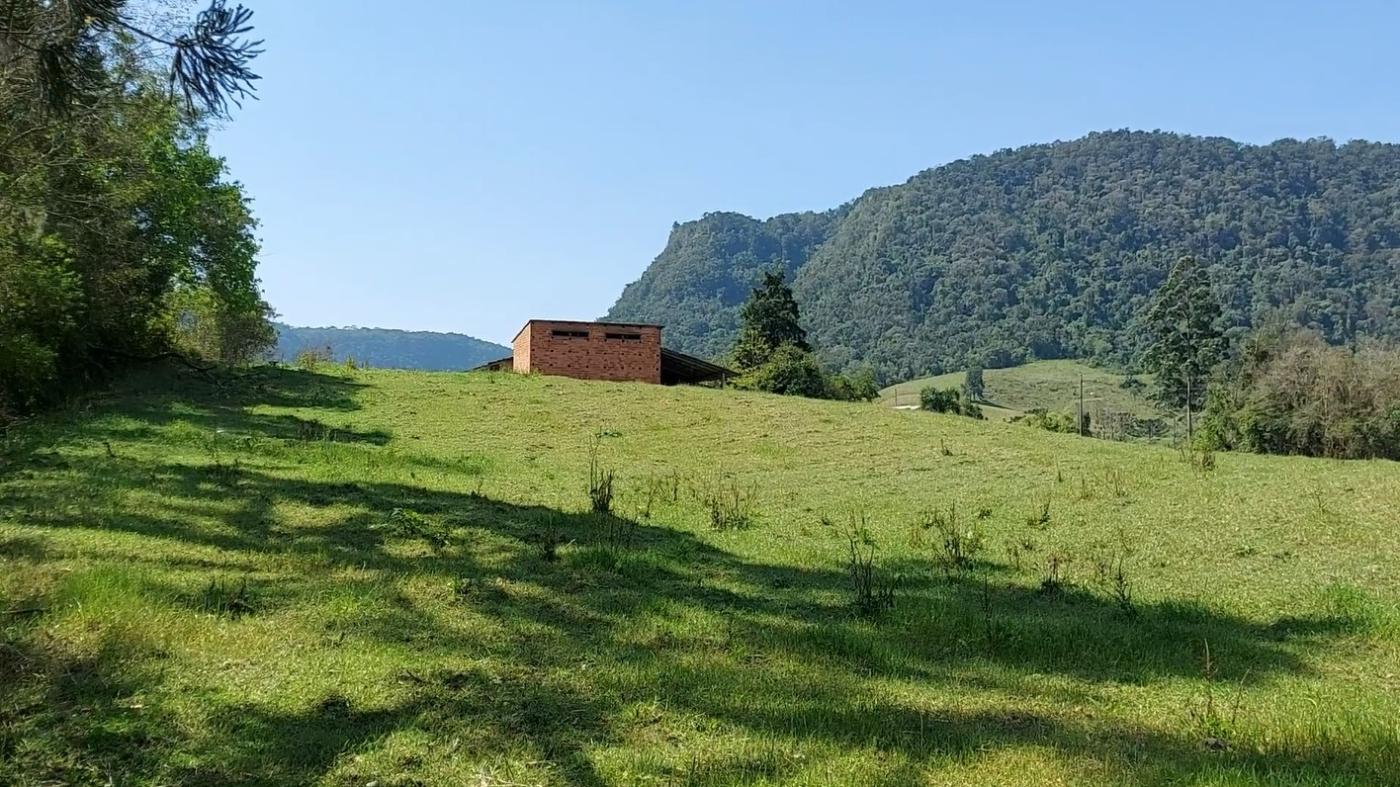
[(1052, 251), (385, 348)]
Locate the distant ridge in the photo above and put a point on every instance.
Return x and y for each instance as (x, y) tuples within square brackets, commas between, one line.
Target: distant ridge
[(388, 348), (1050, 251)]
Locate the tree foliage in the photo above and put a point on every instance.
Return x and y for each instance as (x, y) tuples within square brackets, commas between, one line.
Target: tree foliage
[(1290, 392), (121, 236), (53, 54), (773, 353), (1185, 335), (769, 320), (1053, 251), (948, 400), (974, 387)]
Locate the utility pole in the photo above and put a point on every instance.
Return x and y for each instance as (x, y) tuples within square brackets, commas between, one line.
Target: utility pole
[(1079, 426), (1188, 410)]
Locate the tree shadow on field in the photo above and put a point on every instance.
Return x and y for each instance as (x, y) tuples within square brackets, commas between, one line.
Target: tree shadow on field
[(576, 600)]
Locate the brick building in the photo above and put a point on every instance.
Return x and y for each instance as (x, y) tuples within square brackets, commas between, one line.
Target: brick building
[(603, 351)]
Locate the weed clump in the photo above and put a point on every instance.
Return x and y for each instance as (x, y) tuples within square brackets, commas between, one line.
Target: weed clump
[(1040, 516), (227, 600), (873, 593), (727, 505), (600, 480), (959, 542), (1214, 718), (407, 523), (1053, 583)]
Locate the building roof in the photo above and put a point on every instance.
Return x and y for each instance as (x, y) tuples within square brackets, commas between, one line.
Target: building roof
[(677, 367), (595, 324), (493, 364)]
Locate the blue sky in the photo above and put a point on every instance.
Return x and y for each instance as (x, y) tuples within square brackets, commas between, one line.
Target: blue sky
[(464, 166)]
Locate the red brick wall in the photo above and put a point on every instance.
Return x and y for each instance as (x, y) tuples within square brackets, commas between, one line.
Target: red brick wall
[(594, 358)]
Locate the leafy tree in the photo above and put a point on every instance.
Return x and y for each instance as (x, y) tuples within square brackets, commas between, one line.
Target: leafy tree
[(1186, 340), (973, 386), (115, 222), (769, 321), (789, 370), (860, 386), (1290, 392)]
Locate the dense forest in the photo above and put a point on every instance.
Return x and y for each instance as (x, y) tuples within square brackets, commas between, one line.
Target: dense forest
[(1052, 251), (385, 348)]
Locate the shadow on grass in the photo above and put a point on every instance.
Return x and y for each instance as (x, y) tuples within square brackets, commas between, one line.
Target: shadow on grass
[(780, 657)]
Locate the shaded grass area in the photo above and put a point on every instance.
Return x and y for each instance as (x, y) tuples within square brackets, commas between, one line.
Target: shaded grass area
[(295, 578)]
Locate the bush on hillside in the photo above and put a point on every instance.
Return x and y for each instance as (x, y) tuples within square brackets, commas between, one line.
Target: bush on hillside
[(1041, 418), (789, 370), (1292, 393), (947, 400)]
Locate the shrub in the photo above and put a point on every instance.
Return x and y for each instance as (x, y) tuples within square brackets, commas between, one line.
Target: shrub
[(204, 326), (789, 370), (947, 400), (310, 359), (600, 481), (974, 387), (1050, 421), (1292, 393), (407, 523)]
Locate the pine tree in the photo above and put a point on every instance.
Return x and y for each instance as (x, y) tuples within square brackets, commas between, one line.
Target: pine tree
[(1186, 340), (768, 320)]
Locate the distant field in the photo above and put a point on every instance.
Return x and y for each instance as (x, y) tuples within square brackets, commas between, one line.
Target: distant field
[(365, 577), (1052, 385)]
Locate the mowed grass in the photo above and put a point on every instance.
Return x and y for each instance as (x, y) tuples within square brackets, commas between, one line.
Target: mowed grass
[(351, 577), (1049, 385)]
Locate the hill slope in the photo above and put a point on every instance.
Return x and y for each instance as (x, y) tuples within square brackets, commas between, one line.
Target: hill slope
[(296, 578), (1048, 385), (1050, 251), (387, 348)]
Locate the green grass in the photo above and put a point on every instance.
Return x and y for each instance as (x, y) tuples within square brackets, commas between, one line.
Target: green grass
[(355, 577), (1050, 385)]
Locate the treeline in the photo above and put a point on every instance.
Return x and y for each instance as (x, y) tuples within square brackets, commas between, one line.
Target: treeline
[(1279, 390), (122, 237), (1054, 251)]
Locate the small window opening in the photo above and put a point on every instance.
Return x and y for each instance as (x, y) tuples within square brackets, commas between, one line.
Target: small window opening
[(623, 337), (570, 334)]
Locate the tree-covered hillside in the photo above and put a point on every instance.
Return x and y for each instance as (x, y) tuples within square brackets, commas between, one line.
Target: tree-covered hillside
[(385, 348), (696, 286), (1052, 251)]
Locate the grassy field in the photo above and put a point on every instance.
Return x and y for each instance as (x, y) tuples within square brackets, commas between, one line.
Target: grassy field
[(355, 578), (1051, 385)]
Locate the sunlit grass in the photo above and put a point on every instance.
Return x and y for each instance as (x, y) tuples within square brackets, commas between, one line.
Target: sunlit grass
[(1048, 385), (354, 577)]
